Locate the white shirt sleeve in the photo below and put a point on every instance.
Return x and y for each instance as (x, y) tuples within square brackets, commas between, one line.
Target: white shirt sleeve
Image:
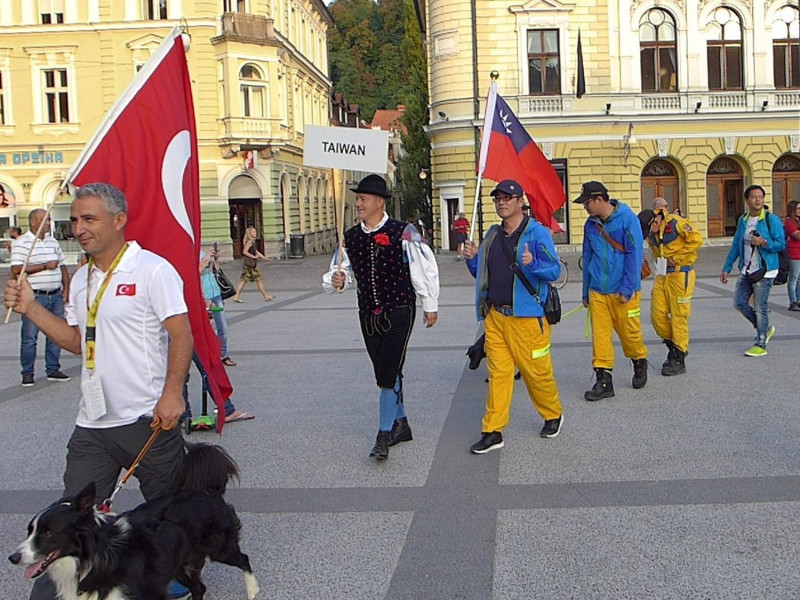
[(424, 273), (166, 292), (345, 266)]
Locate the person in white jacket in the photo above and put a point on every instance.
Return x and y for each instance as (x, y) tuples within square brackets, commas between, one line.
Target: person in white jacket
[(393, 266)]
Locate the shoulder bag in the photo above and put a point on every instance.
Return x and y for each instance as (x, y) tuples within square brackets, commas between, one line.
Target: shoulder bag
[(552, 305), (646, 270), (226, 288)]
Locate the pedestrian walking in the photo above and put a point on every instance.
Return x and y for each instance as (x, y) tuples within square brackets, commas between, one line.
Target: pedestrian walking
[(127, 318), (791, 227), (250, 271), (613, 251), (460, 229), (674, 242), (393, 266), (758, 240), (48, 277), (518, 250)]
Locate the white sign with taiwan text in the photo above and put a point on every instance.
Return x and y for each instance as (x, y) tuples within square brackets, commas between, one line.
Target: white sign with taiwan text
[(346, 148)]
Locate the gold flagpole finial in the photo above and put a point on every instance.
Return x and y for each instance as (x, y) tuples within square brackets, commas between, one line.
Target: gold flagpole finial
[(494, 75)]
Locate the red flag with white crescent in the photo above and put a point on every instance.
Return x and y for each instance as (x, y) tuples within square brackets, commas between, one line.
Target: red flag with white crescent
[(147, 147)]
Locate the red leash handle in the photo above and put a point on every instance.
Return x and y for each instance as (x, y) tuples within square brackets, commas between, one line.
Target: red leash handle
[(106, 504)]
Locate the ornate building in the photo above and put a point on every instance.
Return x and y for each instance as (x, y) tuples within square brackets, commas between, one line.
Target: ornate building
[(260, 74), (687, 99)]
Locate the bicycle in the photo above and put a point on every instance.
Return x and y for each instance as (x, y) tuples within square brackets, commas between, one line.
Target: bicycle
[(561, 281)]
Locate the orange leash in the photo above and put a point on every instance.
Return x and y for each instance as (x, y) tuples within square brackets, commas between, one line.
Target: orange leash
[(106, 504)]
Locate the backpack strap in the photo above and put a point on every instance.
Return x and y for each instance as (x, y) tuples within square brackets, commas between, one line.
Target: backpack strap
[(612, 242)]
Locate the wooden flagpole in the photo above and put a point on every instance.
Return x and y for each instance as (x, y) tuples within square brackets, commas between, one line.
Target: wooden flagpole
[(33, 245)]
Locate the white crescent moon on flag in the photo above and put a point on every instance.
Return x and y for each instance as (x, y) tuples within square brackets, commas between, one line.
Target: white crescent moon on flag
[(173, 166)]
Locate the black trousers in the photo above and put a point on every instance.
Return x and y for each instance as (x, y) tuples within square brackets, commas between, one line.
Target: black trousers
[(386, 337)]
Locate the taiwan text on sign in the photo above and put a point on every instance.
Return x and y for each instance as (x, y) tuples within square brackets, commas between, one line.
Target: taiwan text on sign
[(346, 148)]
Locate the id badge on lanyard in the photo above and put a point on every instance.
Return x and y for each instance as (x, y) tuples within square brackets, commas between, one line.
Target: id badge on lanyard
[(91, 386)]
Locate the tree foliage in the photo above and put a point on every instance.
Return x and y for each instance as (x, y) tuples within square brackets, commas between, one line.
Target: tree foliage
[(377, 60)]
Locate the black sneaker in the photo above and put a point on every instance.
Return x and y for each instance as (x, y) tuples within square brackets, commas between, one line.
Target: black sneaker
[(27, 380), (552, 427), (58, 376), (491, 440)]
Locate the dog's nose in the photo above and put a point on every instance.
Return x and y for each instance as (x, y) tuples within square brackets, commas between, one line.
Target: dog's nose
[(15, 558)]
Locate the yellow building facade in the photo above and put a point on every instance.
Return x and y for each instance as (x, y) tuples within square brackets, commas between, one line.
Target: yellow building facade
[(259, 72), (691, 100)]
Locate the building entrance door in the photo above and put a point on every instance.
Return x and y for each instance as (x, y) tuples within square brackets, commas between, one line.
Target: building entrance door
[(659, 180), (724, 200), (244, 214)]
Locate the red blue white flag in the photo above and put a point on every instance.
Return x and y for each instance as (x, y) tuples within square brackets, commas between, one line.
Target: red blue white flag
[(147, 147), (508, 152)]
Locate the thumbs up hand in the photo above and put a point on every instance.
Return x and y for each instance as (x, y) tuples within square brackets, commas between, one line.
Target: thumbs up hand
[(527, 257)]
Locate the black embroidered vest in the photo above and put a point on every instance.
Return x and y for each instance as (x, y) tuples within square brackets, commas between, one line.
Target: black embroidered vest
[(383, 277)]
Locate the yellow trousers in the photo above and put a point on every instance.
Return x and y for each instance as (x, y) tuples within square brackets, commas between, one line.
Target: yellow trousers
[(524, 342), (671, 307), (609, 314)]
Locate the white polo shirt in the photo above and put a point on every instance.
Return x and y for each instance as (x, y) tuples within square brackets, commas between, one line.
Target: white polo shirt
[(44, 251), (131, 342)]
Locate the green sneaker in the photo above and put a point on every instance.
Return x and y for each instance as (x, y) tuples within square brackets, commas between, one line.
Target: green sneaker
[(770, 333), (756, 351)]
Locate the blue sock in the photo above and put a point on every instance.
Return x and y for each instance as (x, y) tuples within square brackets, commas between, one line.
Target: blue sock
[(388, 409), (398, 390)]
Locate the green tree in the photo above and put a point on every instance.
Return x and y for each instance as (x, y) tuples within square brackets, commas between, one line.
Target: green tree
[(415, 192)]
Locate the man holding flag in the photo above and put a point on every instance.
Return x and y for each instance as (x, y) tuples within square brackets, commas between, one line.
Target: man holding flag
[(127, 317)]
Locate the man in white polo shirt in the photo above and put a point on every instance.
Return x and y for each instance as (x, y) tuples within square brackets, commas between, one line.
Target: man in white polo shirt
[(132, 329), (48, 276)]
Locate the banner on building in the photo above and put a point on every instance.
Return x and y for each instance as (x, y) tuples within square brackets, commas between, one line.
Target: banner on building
[(348, 148)]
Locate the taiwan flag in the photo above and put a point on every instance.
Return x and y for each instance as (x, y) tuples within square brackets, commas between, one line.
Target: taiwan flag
[(147, 147), (508, 152)]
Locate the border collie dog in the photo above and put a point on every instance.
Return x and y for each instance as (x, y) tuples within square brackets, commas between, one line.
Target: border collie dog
[(91, 555)]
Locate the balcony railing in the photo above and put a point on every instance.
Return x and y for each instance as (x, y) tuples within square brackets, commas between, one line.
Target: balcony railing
[(722, 100), (253, 129), (246, 27)]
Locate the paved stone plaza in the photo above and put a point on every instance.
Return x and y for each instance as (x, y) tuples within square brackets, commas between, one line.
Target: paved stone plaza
[(689, 488)]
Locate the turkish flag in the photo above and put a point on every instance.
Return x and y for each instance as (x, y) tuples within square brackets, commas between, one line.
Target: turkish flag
[(508, 152), (147, 147), (126, 289)]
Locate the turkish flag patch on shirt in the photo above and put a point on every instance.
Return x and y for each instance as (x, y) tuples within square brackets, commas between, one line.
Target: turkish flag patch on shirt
[(126, 289)]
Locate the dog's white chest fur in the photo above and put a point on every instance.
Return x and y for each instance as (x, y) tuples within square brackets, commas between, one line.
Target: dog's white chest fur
[(64, 573)]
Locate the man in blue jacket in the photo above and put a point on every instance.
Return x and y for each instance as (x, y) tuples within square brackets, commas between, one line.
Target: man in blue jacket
[(758, 240), (613, 251), (516, 330)]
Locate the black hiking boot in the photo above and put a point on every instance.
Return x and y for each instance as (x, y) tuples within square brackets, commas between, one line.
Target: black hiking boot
[(401, 432), (381, 449), (675, 365), (603, 387), (639, 373)]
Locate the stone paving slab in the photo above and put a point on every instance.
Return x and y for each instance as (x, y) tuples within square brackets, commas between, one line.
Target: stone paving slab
[(685, 489)]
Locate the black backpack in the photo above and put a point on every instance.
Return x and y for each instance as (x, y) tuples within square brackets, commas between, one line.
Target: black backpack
[(783, 262)]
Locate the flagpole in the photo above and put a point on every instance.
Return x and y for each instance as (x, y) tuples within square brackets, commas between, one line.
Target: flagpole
[(33, 245), (488, 117)]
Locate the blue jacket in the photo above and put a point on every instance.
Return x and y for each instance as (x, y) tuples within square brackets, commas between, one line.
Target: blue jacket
[(771, 229), (543, 268), (605, 269)]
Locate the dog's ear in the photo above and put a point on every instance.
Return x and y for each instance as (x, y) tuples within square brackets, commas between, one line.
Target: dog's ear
[(85, 499)]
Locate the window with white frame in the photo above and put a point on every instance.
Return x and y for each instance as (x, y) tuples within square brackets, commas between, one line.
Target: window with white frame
[(51, 11), (724, 49), (253, 88), (155, 10), (56, 95), (658, 52), (544, 62), (786, 48), (230, 6)]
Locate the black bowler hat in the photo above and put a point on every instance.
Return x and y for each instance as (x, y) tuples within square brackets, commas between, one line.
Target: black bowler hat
[(589, 190), (508, 186), (372, 184)]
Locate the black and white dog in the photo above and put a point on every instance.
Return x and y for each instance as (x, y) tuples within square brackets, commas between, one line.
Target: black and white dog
[(91, 555)]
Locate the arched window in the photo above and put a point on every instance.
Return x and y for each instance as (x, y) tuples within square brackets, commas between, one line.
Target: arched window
[(786, 47), (253, 87), (658, 52), (724, 48)]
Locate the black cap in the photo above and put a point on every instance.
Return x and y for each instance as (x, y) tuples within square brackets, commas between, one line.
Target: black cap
[(646, 218), (372, 184), (589, 190), (508, 186)]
